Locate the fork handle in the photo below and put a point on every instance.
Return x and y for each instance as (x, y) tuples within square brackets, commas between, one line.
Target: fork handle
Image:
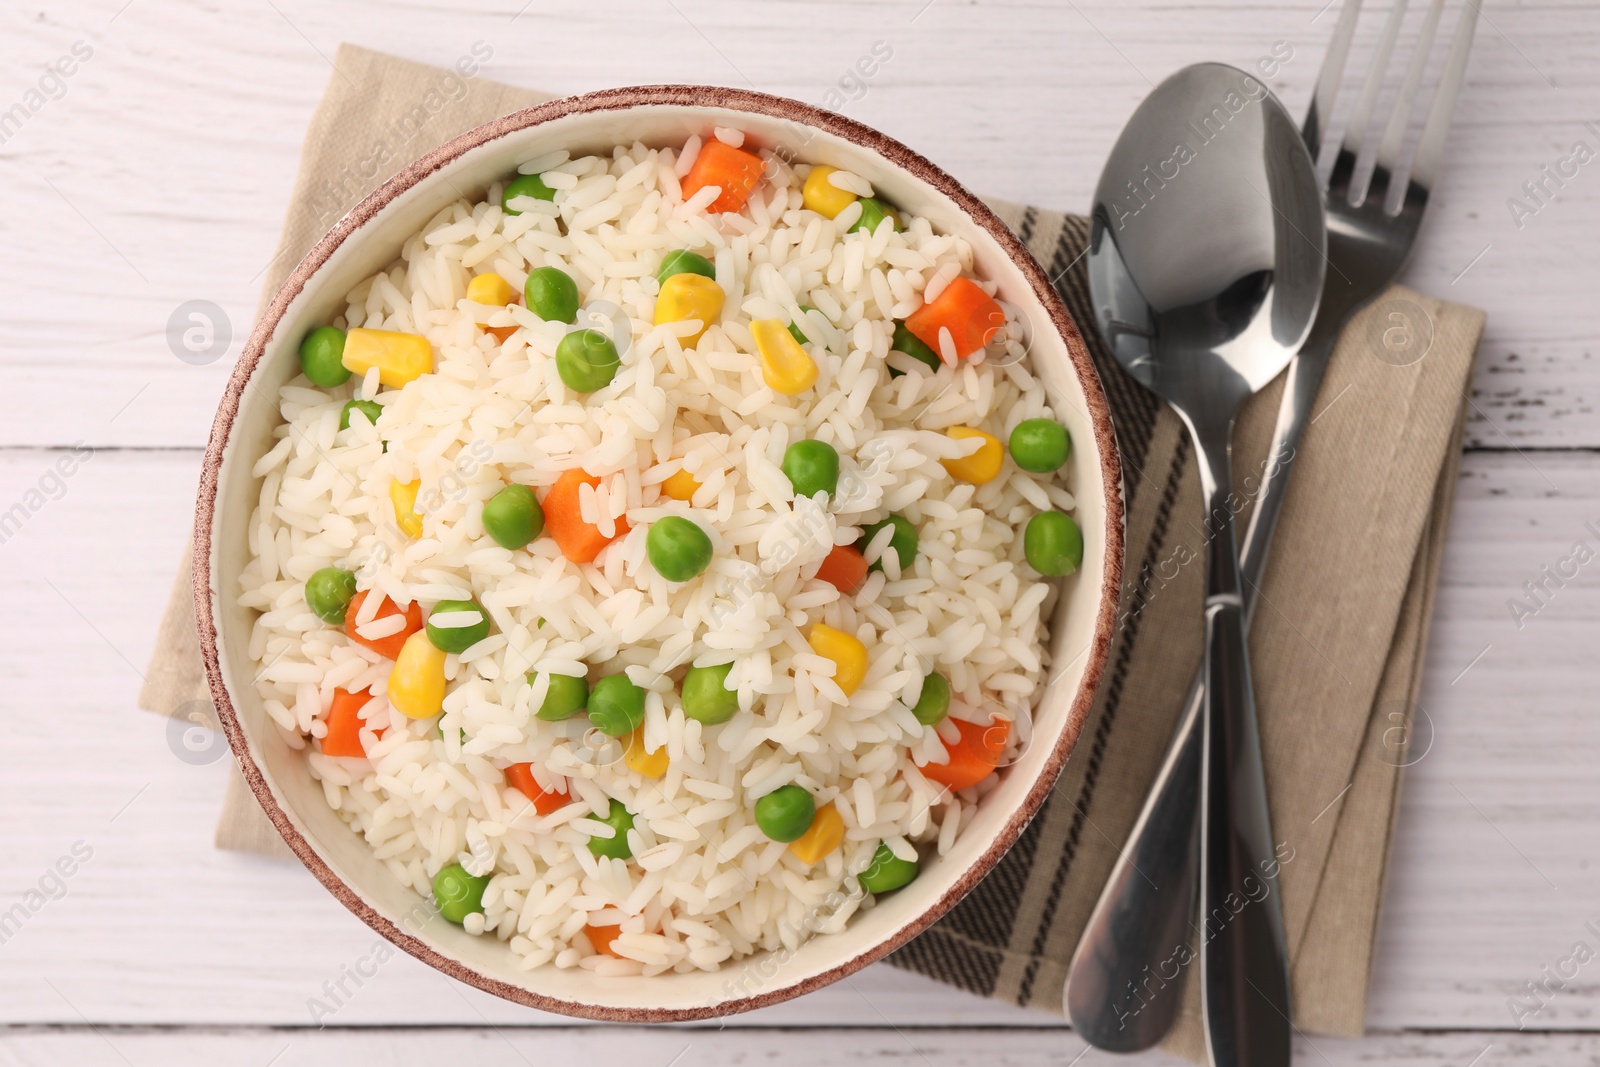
[(1301, 382), (1125, 984)]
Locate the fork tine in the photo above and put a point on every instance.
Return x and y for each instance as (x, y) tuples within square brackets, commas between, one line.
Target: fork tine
[(1328, 79), (1355, 135), (1388, 162), (1431, 146)]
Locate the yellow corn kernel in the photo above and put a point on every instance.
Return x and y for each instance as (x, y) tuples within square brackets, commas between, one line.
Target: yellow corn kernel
[(982, 465), (681, 486), (403, 495), (689, 296), (824, 197), (416, 684), (785, 366), (399, 357), (490, 289), (825, 835), (849, 655), (649, 764)]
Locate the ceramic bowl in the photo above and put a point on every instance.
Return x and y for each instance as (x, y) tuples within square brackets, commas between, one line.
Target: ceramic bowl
[(368, 239)]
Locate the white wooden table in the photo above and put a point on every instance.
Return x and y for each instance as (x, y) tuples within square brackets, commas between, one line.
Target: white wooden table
[(158, 172)]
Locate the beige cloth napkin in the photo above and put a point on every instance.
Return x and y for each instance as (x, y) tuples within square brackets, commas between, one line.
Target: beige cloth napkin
[(1338, 640)]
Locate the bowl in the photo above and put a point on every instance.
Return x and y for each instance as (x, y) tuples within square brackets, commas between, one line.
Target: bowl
[(367, 239)]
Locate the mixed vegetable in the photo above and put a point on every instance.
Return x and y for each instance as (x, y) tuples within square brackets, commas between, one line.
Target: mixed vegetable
[(959, 320)]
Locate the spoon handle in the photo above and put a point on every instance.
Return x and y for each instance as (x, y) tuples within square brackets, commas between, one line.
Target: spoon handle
[(1243, 959), (1125, 986)]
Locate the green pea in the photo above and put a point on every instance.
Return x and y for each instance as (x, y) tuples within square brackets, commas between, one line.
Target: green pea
[(525, 185), (370, 408), (785, 814), (616, 705), (934, 703), (912, 345), (887, 871), (683, 261), (619, 819), (563, 698), (586, 360), (678, 548), (457, 638), (513, 517), (457, 893), (322, 357), (329, 592), (874, 211), (794, 327), (1040, 445), (903, 541), (706, 696), (551, 294), (812, 467), (1053, 544)]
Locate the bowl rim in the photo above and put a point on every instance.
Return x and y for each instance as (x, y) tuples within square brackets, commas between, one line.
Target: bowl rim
[(604, 100)]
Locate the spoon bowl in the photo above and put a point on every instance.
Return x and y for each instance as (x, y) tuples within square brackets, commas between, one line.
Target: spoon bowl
[(1207, 238)]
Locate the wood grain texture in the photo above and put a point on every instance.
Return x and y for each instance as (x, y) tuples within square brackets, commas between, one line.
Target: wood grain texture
[(159, 928), (160, 176), (931, 1047)]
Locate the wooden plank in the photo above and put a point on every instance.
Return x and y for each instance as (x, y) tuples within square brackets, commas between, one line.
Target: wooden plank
[(1494, 844), (1019, 100), (682, 1047), (158, 927)]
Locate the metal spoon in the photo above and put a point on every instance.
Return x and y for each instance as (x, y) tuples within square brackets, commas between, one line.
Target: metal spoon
[(1206, 266)]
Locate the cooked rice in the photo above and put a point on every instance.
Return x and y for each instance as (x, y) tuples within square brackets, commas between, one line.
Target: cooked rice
[(705, 885)]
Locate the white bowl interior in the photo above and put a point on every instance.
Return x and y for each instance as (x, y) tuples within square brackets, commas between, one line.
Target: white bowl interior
[(375, 245)]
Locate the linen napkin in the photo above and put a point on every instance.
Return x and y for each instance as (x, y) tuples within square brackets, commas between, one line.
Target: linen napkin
[(1338, 639)]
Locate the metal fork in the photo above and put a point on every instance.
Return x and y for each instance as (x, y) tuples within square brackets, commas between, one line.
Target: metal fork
[(1124, 987)]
